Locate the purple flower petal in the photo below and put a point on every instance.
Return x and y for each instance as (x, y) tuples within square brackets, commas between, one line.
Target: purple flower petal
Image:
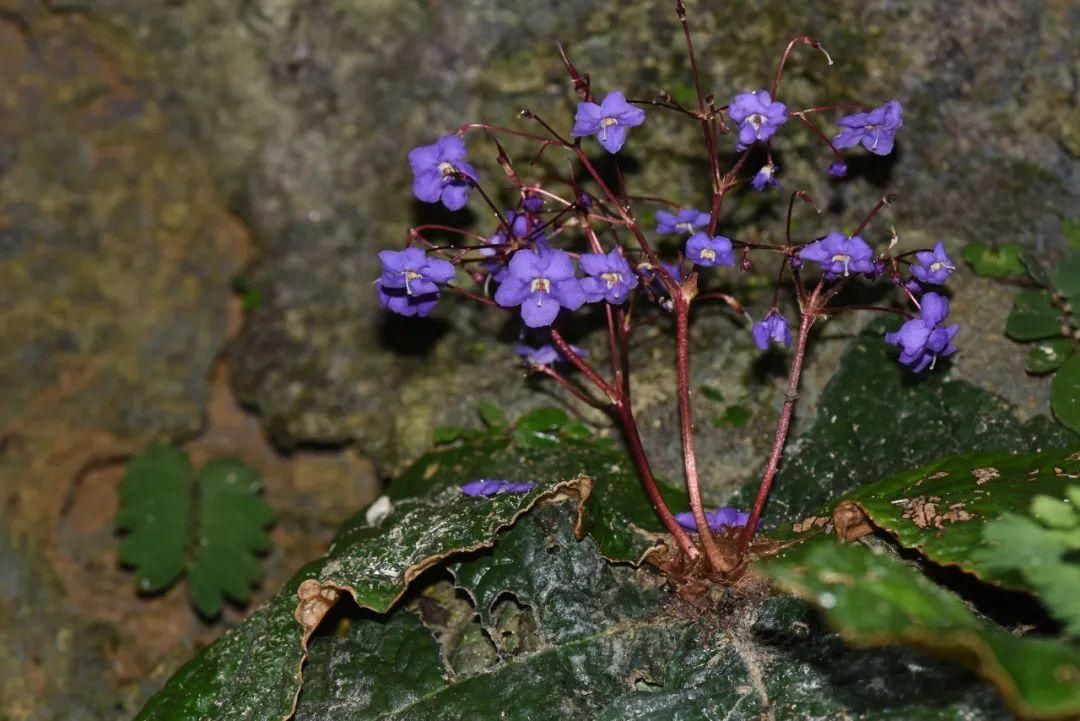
[(484, 487)]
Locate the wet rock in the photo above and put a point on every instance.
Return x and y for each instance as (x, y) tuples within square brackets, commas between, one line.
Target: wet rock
[(310, 124)]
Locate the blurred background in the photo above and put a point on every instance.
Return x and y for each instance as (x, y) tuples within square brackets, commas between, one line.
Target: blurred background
[(192, 193)]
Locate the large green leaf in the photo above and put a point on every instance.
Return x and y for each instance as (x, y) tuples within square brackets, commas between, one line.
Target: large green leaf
[(874, 599), (1033, 317), (1065, 393), (209, 525), (422, 520), (942, 508), (875, 419), (612, 644)]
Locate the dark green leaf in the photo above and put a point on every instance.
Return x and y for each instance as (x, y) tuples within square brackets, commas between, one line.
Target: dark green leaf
[(155, 505), (1066, 276), (611, 644), (1035, 268), (941, 509), (210, 526), (873, 599), (1000, 262), (713, 394), (734, 417), (875, 419), (543, 419), (1047, 356), (491, 414), (1033, 317), (1065, 393)]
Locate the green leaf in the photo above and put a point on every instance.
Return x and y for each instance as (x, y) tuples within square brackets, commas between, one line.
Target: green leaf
[(155, 503), (1065, 393), (1033, 317), (1047, 356), (1041, 554), (712, 393), (1070, 228), (606, 642), (734, 417), (1054, 512), (1035, 269), (231, 529), (942, 508), (1066, 276), (873, 599), (543, 419), (491, 414), (209, 527), (854, 437), (1000, 262)]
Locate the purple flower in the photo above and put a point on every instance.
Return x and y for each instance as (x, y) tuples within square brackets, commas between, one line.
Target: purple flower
[(772, 327), (706, 251), (757, 115), (484, 487), (922, 340), (838, 255), (409, 284), (687, 220), (932, 266), (717, 520), (532, 202), (609, 277), (838, 169), (541, 283), (547, 354), (524, 226), (438, 170), (876, 129), (609, 120), (765, 176)]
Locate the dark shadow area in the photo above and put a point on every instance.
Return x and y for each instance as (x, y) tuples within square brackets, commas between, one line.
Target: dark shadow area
[(409, 336)]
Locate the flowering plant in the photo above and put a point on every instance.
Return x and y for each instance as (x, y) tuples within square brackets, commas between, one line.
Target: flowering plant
[(576, 241)]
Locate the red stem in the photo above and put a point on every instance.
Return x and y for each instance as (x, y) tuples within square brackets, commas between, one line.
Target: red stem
[(782, 427), (641, 463), (686, 424)]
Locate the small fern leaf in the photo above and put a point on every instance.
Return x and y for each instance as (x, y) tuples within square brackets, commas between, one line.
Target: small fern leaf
[(155, 505), (230, 530)]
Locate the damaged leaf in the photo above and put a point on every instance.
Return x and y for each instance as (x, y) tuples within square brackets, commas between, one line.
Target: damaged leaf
[(942, 509)]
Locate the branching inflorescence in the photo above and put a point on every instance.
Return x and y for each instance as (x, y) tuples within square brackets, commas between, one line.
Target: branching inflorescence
[(564, 246)]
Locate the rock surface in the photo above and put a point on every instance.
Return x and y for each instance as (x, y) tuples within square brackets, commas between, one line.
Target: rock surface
[(310, 126)]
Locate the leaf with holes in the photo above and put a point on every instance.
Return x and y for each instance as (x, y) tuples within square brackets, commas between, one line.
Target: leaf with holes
[(874, 599), (573, 636), (209, 526), (423, 520)]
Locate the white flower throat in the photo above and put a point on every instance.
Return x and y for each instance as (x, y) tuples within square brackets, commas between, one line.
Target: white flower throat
[(540, 286), (606, 123)]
